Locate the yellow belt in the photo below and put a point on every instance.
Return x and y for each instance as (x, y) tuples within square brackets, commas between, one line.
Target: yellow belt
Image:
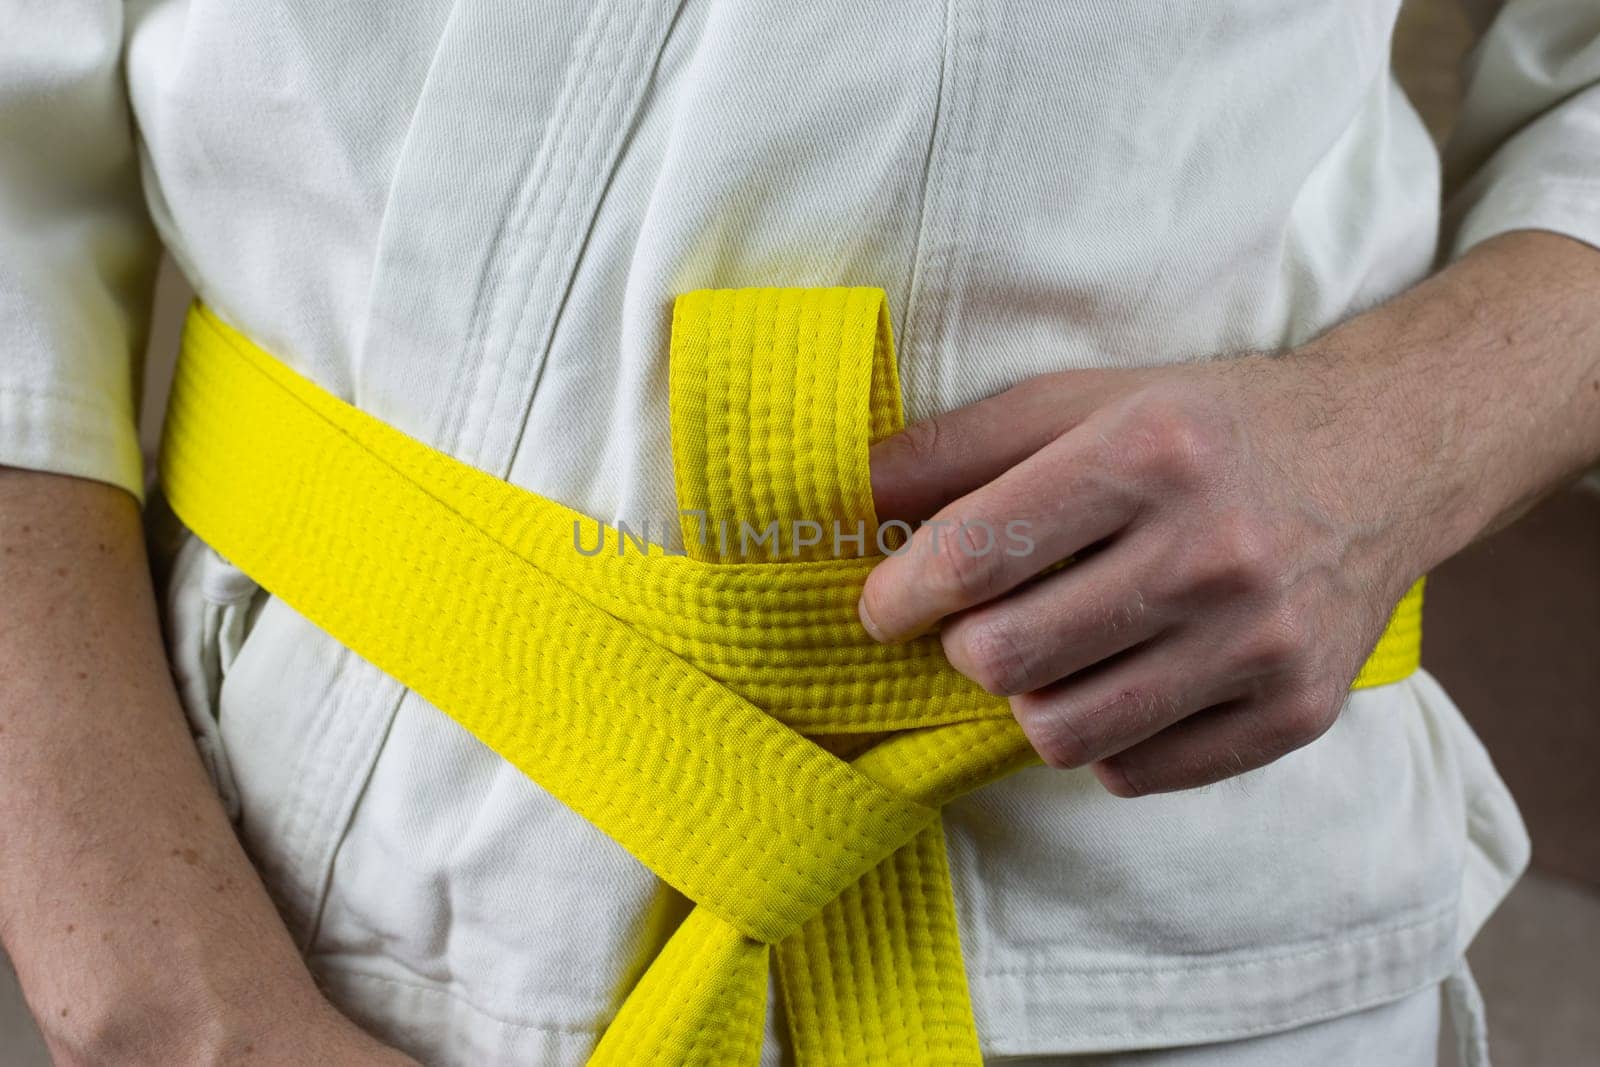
[(725, 720)]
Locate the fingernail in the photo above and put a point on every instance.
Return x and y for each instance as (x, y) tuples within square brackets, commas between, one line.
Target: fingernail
[(866, 621), (1115, 780)]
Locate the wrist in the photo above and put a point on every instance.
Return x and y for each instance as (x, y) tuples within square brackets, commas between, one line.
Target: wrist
[(199, 1020), (1334, 428), (1396, 432), (1486, 378), (199, 1027)]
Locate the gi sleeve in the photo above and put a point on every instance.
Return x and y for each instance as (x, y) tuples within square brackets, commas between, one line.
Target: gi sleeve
[(77, 250), (1526, 151)]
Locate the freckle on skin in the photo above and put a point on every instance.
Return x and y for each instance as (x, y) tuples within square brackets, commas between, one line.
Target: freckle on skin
[(155, 922), (71, 927), (83, 675), (190, 856), (61, 572), (64, 1012)]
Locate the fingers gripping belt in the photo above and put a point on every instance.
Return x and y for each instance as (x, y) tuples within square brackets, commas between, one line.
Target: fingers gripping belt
[(723, 718)]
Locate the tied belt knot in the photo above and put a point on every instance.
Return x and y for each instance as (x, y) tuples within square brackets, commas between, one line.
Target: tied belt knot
[(724, 719)]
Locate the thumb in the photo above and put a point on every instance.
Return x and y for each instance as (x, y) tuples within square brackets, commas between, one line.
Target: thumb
[(939, 459)]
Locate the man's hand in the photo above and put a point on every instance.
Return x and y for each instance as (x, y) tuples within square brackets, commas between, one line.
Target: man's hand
[(1241, 528), (1229, 587)]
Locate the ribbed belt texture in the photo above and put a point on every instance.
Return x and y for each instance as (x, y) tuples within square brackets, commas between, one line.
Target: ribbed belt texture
[(724, 718)]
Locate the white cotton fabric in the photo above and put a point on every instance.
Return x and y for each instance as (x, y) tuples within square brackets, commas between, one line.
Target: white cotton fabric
[(1400, 1033), (471, 217)]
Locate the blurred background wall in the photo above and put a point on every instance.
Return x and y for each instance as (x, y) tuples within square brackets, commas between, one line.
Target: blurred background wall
[(1513, 632)]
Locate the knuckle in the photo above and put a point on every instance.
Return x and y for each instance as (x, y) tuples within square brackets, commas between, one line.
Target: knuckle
[(1240, 556), (1329, 698), (992, 655), (1052, 732), (1276, 645), (1179, 447), (917, 443), (1122, 780), (1301, 717), (962, 567)]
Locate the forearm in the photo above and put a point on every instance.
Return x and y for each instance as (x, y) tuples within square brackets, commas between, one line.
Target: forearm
[(131, 913), (1481, 387)]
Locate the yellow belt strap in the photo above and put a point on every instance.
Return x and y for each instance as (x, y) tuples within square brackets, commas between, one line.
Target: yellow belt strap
[(723, 718)]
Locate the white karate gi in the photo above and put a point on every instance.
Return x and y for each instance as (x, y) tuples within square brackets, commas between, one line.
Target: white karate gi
[(470, 217)]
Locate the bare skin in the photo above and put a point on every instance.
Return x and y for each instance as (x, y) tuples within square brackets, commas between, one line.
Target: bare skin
[(139, 929), (1255, 519), (1244, 525)]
